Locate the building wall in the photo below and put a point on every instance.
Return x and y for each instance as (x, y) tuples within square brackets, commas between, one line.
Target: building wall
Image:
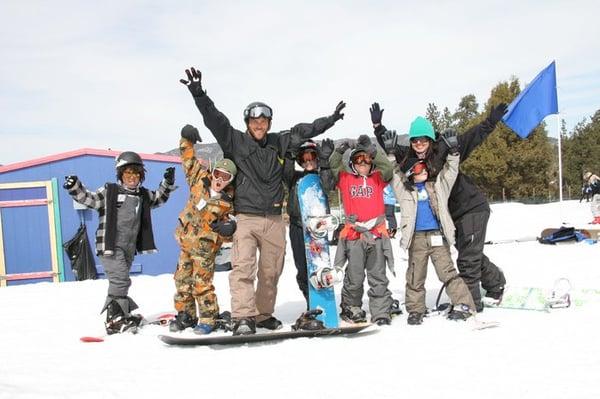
[(94, 171)]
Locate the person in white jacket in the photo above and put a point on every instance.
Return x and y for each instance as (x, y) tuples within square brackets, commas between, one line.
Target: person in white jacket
[(427, 232)]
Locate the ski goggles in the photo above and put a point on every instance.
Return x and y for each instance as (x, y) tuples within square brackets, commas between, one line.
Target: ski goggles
[(418, 168), (223, 175), (307, 156), (420, 140), (258, 111), (362, 159)]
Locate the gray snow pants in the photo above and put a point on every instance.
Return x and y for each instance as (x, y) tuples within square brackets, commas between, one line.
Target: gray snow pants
[(364, 257)]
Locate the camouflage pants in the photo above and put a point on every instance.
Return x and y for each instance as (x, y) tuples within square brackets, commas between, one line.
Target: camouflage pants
[(194, 281)]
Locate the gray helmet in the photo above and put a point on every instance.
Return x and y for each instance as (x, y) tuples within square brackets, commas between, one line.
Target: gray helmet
[(256, 110), (128, 158)]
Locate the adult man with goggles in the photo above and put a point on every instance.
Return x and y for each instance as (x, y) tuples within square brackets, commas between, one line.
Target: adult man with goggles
[(258, 201)]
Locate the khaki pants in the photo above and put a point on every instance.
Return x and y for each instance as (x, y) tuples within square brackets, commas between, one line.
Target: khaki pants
[(267, 235), (418, 256)]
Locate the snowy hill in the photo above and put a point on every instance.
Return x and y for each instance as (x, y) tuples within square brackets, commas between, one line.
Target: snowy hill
[(531, 355)]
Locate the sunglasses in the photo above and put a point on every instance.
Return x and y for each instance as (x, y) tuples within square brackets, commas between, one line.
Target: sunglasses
[(258, 111), (362, 159), (420, 140), (222, 175), (307, 156)]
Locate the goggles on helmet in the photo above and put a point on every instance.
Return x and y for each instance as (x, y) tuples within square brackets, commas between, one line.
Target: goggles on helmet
[(307, 156), (257, 112), (223, 175), (362, 159)]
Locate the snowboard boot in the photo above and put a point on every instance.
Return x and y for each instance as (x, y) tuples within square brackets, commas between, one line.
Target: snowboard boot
[(395, 309), (496, 296), (415, 318), (117, 322), (182, 321), (353, 314), (270, 324), (459, 312), (223, 322), (383, 321), (203, 329), (245, 326), (308, 321)]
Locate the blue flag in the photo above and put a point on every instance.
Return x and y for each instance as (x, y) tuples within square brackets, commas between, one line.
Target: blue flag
[(535, 102)]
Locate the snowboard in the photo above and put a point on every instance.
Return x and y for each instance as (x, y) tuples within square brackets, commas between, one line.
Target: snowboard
[(579, 235), (264, 337), (534, 298), (313, 204), (158, 319)]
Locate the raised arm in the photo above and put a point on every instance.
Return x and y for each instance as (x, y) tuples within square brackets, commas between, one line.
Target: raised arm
[(193, 168), (76, 189), (161, 195)]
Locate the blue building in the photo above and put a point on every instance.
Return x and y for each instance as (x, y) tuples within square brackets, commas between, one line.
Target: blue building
[(37, 215)]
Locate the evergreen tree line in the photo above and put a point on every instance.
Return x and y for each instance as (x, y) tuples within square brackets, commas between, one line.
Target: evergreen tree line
[(508, 168)]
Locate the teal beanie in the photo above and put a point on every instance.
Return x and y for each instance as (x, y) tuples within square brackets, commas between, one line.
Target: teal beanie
[(421, 127)]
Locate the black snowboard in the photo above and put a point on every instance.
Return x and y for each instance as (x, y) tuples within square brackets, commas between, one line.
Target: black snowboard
[(262, 337)]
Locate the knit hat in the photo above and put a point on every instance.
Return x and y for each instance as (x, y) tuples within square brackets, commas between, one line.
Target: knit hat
[(421, 127), (226, 165)]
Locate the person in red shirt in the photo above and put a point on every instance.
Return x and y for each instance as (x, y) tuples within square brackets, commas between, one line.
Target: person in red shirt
[(364, 240)]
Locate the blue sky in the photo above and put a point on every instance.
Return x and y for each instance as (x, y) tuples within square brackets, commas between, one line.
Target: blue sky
[(105, 74)]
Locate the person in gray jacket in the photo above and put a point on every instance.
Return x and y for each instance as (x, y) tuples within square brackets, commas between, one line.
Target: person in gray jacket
[(428, 231), (258, 201)]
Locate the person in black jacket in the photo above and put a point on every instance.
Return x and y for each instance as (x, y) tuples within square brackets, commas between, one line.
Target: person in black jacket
[(258, 202), (312, 158), (468, 206)]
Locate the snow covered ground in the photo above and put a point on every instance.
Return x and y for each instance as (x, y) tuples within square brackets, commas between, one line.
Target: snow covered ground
[(531, 355)]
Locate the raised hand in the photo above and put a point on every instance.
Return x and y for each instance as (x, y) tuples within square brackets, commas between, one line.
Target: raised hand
[(190, 133), (450, 138), (390, 141), (193, 82), (70, 182), (170, 176), (376, 113), (342, 148), (337, 114)]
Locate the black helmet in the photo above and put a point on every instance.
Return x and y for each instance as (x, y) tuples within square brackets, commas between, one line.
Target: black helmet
[(308, 145), (128, 158), (256, 110)]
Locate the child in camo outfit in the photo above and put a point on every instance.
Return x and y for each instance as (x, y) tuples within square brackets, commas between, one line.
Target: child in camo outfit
[(204, 224), (124, 229)]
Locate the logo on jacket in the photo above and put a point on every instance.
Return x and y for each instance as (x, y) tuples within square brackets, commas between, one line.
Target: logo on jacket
[(360, 191)]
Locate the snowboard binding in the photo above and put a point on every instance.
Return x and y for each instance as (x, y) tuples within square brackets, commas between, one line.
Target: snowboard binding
[(325, 277), (308, 321), (319, 226)]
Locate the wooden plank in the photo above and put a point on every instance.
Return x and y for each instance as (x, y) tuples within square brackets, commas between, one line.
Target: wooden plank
[(21, 203), (26, 276), (52, 231), (2, 260), (27, 184)]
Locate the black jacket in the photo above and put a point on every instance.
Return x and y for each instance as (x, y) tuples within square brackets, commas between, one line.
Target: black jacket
[(259, 181), (465, 196)]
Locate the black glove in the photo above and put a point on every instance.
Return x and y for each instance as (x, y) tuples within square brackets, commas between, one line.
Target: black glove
[(376, 113), (342, 148), (337, 114), (325, 150), (390, 141), (190, 133), (365, 144), (296, 139), (70, 182), (497, 113), (451, 140), (194, 82), (225, 228), (170, 176)]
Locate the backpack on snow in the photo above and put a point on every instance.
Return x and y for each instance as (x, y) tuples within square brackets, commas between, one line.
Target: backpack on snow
[(563, 234)]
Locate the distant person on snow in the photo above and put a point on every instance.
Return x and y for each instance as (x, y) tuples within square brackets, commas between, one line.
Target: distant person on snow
[(124, 229), (426, 226), (258, 202), (468, 206), (204, 224), (593, 183)]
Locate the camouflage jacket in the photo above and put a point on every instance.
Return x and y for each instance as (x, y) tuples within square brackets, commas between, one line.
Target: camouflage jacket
[(201, 209)]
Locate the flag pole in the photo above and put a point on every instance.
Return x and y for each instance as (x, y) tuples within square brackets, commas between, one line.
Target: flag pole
[(560, 185)]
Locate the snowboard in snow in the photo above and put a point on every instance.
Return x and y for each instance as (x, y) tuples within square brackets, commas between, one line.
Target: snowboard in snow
[(534, 298), (313, 205), (160, 319), (264, 337), (563, 235)]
